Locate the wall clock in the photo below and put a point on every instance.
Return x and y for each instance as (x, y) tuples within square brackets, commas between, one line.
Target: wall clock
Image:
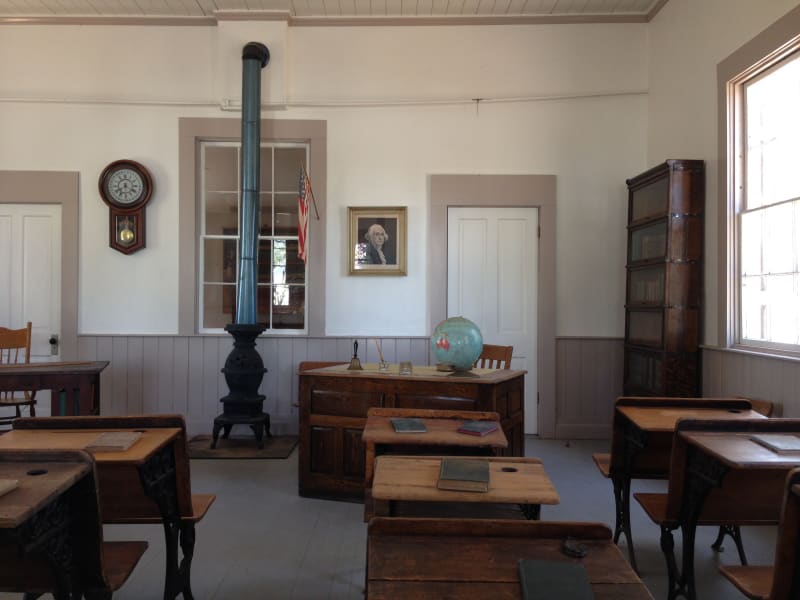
[(126, 187)]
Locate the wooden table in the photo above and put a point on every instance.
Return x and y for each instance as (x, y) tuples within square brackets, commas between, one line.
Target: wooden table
[(150, 479), (520, 481), (720, 474), (39, 518), (641, 443), (478, 559), (378, 433), (79, 381), (333, 411)]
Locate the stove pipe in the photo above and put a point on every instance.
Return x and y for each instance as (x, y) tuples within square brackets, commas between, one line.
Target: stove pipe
[(255, 57)]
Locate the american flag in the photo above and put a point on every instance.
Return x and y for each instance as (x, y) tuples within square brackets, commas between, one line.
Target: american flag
[(302, 214)]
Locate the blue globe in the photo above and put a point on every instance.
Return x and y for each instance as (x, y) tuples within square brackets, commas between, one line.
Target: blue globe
[(458, 342)]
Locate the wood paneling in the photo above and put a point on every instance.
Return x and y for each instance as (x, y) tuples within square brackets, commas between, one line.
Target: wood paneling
[(588, 380)]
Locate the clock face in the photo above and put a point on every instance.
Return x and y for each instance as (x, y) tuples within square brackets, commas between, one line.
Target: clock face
[(125, 186)]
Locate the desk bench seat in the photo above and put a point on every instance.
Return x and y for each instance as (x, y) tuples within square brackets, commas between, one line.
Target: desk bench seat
[(754, 582), (119, 559), (603, 463), (200, 505)]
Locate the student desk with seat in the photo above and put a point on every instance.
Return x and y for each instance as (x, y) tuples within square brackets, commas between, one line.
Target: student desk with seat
[(717, 475), (413, 480), (478, 558), (148, 483), (51, 539), (641, 445)]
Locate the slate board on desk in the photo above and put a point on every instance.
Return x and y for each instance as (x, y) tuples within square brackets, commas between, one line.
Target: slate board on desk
[(408, 425), (464, 475), (554, 579)]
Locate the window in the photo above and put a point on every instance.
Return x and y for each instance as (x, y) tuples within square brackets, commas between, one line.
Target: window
[(281, 277), (767, 146), (291, 293)]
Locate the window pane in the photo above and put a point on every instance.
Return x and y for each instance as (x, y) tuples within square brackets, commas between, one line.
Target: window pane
[(221, 168), (264, 264), (773, 136), (286, 214), (219, 257), (265, 163), (219, 305), (295, 268), (288, 162), (289, 305)]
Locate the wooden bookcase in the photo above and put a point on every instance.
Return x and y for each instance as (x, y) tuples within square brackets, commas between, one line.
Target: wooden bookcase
[(663, 300)]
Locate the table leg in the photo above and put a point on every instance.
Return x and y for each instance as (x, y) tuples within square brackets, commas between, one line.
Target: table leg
[(532, 512), (634, 441), (703, 473), (159, 481)]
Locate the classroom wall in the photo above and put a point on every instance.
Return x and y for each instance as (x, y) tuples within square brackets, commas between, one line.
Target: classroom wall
[(566, 100)]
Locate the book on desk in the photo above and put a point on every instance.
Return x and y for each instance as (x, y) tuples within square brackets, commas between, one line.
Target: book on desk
[(780, 443), (408, 425), (114, 441), (464, 475), (549, 579), (480, 428)]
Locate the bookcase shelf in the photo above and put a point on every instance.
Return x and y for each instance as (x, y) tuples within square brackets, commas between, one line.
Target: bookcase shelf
[(664, 280)]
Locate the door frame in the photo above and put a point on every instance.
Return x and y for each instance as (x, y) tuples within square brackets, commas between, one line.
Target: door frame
[(60, 188), (517, 191)]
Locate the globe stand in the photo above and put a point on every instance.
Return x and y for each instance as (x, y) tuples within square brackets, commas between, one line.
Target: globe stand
[(463, 374)]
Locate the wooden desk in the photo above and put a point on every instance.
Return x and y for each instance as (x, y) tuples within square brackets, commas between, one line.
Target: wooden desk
[(79, 381), (414, 478), (150, 479), (641, 443), (440, 432), (333, 411), (477, 559), (719, 475), (38, 518)]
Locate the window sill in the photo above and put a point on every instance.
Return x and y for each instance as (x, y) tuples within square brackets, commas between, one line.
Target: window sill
[(770, 353)]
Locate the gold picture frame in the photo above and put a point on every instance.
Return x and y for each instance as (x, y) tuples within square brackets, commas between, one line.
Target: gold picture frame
[(377, 241)]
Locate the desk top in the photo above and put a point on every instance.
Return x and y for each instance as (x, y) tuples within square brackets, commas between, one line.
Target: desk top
[(440, 432), (413, 478), (35, 491), (664, 418), (738, 451), (151, 441), (420, 373), (51, 368), (478, 559)]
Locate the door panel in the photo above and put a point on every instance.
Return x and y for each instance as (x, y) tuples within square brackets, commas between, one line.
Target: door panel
[(492, 260), (30, 272)]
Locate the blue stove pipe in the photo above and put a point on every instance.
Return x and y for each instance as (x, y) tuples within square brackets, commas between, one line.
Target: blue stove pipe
[(255, 57)]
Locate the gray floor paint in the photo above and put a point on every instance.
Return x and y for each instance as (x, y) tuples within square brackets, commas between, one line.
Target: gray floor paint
[(261, 540)]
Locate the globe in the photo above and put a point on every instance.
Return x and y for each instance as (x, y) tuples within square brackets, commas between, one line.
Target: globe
[(458, 342)]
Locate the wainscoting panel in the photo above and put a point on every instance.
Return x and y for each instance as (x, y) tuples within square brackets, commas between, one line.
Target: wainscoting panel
[(177, 374), (588, 381), (733, 373)]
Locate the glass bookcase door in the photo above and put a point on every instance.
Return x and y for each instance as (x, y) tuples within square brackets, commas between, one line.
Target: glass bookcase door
[(648, 243), (646, 286), (650, 201), (646, 328)]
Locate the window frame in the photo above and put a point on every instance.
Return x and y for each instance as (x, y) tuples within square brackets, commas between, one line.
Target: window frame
[(755, 59), (194, 131)]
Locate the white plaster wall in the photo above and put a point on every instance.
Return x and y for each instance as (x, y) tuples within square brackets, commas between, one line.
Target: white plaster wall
[(377, 155), (687, 40)]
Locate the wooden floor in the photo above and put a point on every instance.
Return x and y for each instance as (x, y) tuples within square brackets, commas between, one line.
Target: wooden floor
[(260, 540)]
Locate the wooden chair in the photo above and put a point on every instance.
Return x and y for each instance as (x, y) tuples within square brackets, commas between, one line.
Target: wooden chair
[(780, 581), (495, 357), (15, 349), (60, 548)]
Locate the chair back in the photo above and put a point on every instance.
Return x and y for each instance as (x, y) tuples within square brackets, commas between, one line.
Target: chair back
[(786, 574), (495, 357), (15, 349)]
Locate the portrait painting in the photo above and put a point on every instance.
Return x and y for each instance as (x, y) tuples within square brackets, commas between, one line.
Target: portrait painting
[(377, 240)]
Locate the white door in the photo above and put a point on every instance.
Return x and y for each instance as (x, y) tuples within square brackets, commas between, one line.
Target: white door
[(30, 272), (492, 273)]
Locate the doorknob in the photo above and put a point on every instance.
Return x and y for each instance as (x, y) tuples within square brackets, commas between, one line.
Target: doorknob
[(53, 343)]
